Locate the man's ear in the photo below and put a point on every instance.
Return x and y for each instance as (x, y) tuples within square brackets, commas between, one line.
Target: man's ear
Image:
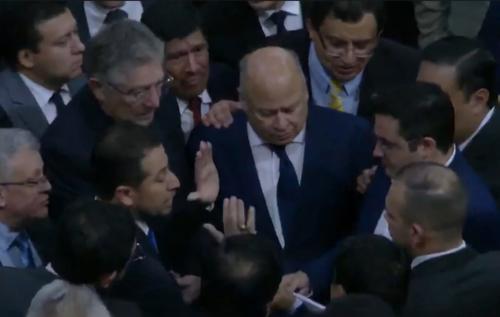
[(106, 280), (310, 29), (426, 147), (416, 236), (97, 88), (479, 100), (25, 58), (125, 195), (3, 198), (337, 291)]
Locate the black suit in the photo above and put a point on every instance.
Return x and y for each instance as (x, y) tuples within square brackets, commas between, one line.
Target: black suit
[(391, 63), (461, 284), (483, 155)]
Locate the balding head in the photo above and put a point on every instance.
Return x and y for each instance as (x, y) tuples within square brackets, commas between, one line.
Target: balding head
[(274, 92)]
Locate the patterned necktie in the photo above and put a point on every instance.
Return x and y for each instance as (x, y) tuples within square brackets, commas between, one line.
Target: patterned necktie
[(194, 105), (288, 190), (57, 100), (115, 15), (336, 101), (278, 18), (23, 245)]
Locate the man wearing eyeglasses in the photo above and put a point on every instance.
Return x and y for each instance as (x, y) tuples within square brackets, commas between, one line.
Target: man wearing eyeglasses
[(24, 196), (124, 63)]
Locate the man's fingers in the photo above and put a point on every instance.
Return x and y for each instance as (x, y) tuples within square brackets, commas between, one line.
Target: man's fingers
[(251, 220), (218, 236)]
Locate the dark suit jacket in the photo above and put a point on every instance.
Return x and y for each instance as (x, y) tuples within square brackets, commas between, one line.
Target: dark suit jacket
[(18, 107), (483, 155), (483, 219), (337, 147), (460, 284), (78, 11), (232, 29), (391, 63), (69, 141)]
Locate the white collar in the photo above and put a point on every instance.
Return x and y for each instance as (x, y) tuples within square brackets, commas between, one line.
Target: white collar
[(143, 226), (42, 95), (485, 120), (204, 96), (290, 7), (426, 257), (255, 139), (452, 157)]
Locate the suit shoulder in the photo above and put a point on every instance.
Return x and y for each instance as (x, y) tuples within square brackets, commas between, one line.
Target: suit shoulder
[(330, 118)]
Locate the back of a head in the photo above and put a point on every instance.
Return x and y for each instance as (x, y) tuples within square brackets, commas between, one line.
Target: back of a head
[(345, 10), (170, 20), (242, 278), (13, 140), (61, 299), (117, 157), (435, 198), (358, 305), (93, 238), (372, 264), (475, 66), (18, 22), (422, 110), (120, 47)]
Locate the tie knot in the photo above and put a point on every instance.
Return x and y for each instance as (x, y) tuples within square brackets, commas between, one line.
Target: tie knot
[(22, 241), (278, 149), (194, 102), (278, 17), (115, 15)]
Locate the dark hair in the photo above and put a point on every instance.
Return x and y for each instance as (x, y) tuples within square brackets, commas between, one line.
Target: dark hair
[(170, 20), (92, 238), (345, 10), (19, 21), (475, 66), (422, 110), (241, 278), (117, 157), (372, 264), (358, 305)]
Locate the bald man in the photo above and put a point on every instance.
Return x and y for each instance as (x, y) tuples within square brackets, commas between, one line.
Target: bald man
[(296, 164)]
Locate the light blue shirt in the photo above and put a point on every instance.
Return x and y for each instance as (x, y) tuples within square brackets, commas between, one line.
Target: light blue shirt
[(321, 82), (9, 254)]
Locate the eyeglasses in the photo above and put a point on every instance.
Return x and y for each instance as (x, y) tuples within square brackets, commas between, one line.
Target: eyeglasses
[(28, 183), (363, 49), (138, 95)]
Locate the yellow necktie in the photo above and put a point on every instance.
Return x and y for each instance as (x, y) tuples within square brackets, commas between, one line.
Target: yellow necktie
[(336, 101)]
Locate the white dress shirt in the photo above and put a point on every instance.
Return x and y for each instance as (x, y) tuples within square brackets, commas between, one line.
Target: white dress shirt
[(10, 255), (382, 228), (42, 96), (485, 120), (187, 120), (422, 258), (293, 20), (96, 14), (143, 226), (267, 164)]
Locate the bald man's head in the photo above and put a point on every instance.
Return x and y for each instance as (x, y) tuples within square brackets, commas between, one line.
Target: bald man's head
[(274, 92)]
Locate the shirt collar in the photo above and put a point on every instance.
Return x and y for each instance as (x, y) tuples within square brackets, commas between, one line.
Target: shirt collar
[(255, 139), (7, 237), (422, 258), (452, 157), (42, 95), (143, 226), (290, 7), (204, 96), (485, 120)]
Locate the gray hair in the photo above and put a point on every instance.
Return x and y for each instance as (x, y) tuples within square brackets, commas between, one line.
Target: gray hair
[(61, 299), (11, 141), (120, 47), (243, 67)]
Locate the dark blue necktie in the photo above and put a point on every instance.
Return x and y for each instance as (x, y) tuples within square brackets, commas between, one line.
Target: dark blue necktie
[(115, 15), (278, 19), (152, 240), (23, 245), (288, 191), (56, 99)]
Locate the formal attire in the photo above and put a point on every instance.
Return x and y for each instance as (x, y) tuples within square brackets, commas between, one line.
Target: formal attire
[(17, 249), (455, 283), (480, 151), (391, 63), (321, 167), (241, 29), (28, 105), (69, 141), (482, 221)]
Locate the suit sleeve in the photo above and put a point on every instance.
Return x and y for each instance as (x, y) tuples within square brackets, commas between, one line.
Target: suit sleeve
[(4, 119)]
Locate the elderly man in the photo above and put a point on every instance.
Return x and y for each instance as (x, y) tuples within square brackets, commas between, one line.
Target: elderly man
[(295, 163), (125, 84), (23, 197)]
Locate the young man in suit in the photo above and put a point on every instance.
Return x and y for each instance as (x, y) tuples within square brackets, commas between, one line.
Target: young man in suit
[(124, 63), (466, 72), (24, 195), (415, 123), (426, 211), (44, 54), (314, 152)]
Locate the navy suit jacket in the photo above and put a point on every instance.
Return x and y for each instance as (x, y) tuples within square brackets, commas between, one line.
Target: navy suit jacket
[(337, 147), (483, 219)]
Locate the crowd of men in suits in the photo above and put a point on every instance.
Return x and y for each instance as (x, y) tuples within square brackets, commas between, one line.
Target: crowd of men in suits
[(251, 158)]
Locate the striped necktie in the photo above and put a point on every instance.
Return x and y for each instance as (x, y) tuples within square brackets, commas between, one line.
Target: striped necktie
[(336, 101)]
